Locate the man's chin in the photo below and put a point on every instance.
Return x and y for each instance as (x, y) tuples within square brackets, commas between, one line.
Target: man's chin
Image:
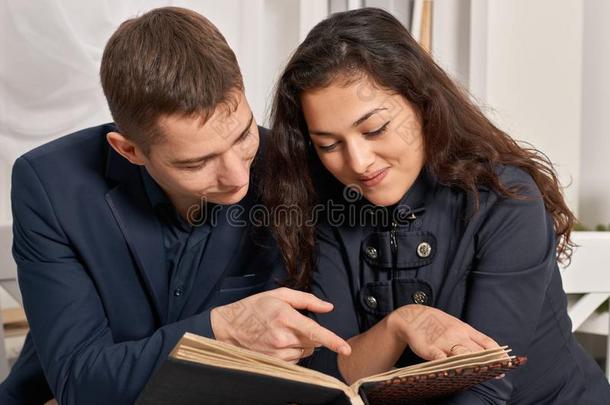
[(228, 198)]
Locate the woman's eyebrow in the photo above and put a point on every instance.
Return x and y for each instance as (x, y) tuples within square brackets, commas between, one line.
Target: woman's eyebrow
[(359, 121), (367, 116)]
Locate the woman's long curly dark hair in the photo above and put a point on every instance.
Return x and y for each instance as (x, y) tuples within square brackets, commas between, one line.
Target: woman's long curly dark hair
[(462, 147)]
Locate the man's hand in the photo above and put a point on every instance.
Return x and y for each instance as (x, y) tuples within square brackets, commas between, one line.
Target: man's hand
[(270, 323)]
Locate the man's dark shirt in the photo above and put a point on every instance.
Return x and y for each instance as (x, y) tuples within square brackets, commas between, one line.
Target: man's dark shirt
[(184, 244)]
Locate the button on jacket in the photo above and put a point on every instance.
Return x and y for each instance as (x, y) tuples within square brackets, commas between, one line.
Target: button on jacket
[(495, 268)]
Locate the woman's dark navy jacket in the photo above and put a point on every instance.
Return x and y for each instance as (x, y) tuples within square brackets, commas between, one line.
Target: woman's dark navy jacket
[(495, 268)]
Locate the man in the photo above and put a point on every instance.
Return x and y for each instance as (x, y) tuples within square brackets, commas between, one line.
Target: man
[(129, 235)]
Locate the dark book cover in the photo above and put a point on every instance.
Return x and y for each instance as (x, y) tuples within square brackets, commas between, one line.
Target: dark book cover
[(179, 382)]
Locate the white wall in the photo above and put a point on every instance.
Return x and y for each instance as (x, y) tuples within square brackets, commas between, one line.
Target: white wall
[(595, 151), (451, 38), (523, 62), (534, 78)]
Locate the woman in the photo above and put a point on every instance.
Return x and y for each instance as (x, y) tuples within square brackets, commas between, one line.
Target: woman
[(455, 243)]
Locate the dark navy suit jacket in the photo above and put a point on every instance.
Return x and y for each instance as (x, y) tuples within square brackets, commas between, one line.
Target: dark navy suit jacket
[(90, 258), (494, 268)]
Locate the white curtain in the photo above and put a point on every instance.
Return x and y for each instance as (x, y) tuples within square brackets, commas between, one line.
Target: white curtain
[(50, 52), (49, 62)]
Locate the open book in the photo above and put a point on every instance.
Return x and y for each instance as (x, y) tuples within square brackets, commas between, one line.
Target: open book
[(205, 371)]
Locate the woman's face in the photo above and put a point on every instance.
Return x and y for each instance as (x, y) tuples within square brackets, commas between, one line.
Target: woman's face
[(367, 137)]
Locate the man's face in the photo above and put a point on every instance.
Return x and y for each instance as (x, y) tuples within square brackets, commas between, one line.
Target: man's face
[(196, 163)]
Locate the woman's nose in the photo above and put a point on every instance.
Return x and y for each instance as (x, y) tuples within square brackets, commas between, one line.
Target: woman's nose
[(361, 157)]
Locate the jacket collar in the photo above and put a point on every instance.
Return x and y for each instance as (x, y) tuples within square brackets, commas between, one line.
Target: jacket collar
[(415, 197)]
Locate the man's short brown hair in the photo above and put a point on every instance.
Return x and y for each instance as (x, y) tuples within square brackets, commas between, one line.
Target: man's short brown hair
[(168, 61)]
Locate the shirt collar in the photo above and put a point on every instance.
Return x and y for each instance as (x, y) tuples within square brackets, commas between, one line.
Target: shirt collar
[(154, 192), (162, 205)]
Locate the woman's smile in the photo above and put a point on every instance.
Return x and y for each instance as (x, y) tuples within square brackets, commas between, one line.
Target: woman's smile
[(374, 178)]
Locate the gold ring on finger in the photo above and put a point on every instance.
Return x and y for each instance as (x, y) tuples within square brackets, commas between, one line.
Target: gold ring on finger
[(453, 347)]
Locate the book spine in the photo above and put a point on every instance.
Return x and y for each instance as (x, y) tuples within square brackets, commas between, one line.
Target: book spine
[(356, 401)]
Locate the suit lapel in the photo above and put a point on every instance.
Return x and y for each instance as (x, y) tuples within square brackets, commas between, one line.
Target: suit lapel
[(140, 228)]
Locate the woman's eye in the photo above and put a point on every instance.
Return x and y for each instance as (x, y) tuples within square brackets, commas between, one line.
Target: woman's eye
[(379, 131), (327, 148)]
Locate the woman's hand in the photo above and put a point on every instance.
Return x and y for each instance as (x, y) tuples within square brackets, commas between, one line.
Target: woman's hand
[(433, 334)]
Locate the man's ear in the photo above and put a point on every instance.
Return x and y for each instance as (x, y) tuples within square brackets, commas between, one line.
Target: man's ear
[(126, 148)]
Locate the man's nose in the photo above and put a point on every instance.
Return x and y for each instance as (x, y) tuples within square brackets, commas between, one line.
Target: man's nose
[(234, 170)]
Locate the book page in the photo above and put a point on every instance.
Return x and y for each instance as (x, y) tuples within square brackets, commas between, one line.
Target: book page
[(450, 363), (202, 350)]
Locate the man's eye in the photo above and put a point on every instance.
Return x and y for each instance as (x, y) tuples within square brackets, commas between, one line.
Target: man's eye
[(194, 168), (244, 136)]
